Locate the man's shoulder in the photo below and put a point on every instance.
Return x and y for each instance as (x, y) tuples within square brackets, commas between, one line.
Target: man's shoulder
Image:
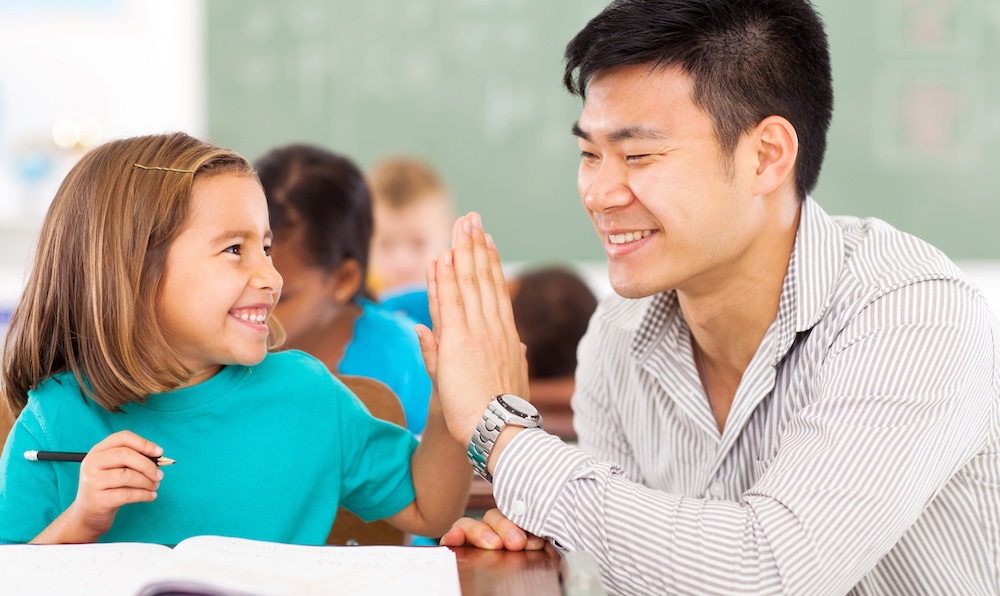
[(880, 256)]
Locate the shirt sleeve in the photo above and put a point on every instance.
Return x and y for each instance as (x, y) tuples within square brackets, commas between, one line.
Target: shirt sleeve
[(376, 457), (905, 397), (29, 499)]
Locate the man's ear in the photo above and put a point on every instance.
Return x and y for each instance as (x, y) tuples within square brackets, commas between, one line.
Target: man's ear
[(345, 281), (777, 147)]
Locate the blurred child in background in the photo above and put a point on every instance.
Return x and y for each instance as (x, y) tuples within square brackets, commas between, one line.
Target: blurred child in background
[(321, 215), (552, 307), (413, 218)]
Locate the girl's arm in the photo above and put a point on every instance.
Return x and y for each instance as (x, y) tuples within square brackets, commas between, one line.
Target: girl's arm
[(441, 479), (115, 472)]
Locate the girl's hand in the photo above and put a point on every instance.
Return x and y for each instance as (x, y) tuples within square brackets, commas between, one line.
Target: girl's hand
[(115, 472)]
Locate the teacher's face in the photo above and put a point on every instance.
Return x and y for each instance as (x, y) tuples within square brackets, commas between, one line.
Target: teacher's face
[(672, 211)]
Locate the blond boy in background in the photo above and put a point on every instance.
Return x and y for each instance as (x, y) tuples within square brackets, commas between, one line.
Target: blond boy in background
[(413, 219)]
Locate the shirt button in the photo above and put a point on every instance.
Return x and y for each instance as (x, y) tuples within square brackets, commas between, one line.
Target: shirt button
[(518, 508), (717, 490)]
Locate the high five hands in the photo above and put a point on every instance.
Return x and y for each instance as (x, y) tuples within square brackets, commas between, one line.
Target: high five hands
[(473, 354), (474, 351)]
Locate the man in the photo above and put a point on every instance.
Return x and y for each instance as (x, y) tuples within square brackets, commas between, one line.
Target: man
[(778, 401)]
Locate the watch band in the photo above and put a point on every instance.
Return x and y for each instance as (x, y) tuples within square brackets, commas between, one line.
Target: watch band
[(502, 410)]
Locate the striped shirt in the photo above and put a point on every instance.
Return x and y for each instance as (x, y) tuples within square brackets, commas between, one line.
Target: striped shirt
[(861, 454)]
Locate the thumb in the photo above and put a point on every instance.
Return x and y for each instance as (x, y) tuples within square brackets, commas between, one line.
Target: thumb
[(428, 349)]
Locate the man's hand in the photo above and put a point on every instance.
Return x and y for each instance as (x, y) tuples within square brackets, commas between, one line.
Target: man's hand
[(474, 351), (493, 533)]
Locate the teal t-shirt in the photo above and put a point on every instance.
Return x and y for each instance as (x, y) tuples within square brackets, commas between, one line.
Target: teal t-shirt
[(265, 452)]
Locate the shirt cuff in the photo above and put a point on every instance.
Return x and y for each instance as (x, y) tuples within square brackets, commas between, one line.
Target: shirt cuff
[(532, 470)]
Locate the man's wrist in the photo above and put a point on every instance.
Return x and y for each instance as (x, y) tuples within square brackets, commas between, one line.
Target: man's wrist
[(503, 410), (506, 435)]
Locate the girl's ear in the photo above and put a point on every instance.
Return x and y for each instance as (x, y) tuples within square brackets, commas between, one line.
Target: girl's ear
[(345, 281)]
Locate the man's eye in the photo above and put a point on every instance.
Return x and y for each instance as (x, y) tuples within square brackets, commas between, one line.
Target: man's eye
[(587, 156), (267, 250), (637, 158), (234, 249)]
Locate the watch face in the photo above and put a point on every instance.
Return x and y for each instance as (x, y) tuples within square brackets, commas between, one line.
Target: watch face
[(517, 406)]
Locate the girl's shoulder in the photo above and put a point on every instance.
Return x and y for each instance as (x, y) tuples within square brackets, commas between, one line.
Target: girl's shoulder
[(61, 398), (60, 388), (295, 367), (291, 360)]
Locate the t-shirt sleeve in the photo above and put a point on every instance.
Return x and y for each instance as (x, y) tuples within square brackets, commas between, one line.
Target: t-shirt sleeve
[(29, 499), (376, 463)]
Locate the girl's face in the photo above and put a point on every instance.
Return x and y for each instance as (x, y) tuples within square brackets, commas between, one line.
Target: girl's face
[(219, 286)]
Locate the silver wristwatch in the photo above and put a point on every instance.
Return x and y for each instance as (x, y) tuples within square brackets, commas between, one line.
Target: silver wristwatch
[(504, 409)]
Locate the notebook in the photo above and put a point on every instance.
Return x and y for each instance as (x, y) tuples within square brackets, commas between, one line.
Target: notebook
[(220, 566)]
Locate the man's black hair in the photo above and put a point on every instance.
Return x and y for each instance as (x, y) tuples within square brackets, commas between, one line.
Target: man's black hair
[(749, 59)]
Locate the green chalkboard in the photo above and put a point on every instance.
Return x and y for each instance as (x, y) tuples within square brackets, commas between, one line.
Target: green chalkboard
[(475, 87)]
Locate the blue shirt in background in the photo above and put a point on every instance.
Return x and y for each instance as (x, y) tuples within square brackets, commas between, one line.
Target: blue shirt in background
[(385, 347), (409, 300)]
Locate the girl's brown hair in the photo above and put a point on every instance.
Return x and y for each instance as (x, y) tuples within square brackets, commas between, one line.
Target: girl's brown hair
[(90, 303)]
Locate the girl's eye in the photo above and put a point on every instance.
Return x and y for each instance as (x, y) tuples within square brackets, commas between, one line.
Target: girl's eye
[(234, 249), (267, 250)]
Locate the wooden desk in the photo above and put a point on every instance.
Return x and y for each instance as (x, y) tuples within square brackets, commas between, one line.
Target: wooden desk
[(501, 572)]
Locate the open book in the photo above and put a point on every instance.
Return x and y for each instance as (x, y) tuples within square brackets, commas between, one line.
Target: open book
[(226, 566)]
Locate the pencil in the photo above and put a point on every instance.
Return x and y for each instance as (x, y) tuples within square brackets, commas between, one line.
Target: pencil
[(74, 456)]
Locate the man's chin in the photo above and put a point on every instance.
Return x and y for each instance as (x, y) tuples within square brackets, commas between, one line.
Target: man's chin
[(627, 287)]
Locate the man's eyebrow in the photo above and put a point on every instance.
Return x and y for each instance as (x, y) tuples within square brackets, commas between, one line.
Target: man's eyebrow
[(629, 132), (579, 132), (636, 132)]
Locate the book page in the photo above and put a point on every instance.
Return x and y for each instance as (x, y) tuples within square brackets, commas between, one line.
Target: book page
[(83, 569), (236, 566)]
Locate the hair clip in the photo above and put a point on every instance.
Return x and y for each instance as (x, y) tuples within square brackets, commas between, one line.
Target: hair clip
[(138, 165)]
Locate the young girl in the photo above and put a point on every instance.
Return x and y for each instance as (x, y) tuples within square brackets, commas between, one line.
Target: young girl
[(144, 330), (321, 214)]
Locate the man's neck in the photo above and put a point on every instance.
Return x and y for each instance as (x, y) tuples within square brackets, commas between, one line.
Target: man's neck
[(729, 319)]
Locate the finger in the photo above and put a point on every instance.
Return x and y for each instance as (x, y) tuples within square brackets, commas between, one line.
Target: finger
[(116, 478), (534, 542), (428, 349), (454, 537), (432, 298), (514, 538), (525, 385), (484, 269), (500, 286), (116, 497), (478, 534), (465, 272), (128, 438), (449, 298)]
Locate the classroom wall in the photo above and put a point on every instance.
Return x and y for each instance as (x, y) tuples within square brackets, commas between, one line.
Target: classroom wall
[(475, 86)]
